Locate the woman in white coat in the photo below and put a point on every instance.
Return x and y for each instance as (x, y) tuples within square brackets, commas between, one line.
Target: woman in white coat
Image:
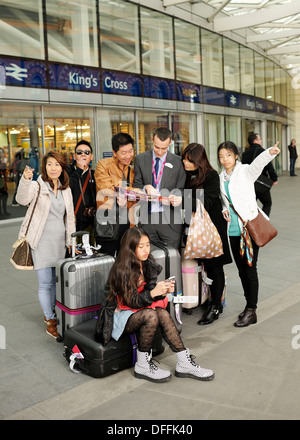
[(51, 226), (237, 187)]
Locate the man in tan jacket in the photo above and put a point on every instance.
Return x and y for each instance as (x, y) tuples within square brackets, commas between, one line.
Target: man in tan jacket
[(111, 172)]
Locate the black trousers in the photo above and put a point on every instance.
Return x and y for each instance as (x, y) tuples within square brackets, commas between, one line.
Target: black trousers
[(265, 198), (247, 274), (216, 273)]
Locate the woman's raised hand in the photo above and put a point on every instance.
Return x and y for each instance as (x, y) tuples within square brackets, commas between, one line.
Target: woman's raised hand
[(274, 150), (28, 173)]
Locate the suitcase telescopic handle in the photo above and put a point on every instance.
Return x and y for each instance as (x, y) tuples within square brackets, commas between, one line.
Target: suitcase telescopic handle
[(74, 235)]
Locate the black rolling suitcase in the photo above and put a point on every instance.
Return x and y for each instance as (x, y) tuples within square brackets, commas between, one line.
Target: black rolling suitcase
[(170, 260), (80, 283), (99, 360)]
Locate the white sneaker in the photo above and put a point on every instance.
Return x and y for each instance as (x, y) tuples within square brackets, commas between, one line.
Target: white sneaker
[(146, 369), (186, 367)]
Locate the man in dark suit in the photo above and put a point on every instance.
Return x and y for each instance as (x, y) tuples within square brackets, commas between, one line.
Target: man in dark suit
[(159, 171)]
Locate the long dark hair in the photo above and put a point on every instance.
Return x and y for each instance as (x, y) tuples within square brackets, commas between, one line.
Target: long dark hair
[(196, 154), (125, 273), (64, 177)]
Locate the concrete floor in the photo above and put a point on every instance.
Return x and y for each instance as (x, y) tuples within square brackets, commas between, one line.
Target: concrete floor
[(256, 368)]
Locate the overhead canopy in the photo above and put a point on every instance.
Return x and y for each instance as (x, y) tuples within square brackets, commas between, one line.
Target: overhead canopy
[(272, 25)]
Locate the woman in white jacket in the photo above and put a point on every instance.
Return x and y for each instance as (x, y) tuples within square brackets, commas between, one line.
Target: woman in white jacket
[(51, 226), (237, 186)]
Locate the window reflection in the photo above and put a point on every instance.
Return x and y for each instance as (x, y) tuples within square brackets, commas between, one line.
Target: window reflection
[(119, 36), (212, 59), (20, 145), (157, 44), (231, 65), (21, 29), (247, 71), (187, 51), (72, 32), (259, 75)]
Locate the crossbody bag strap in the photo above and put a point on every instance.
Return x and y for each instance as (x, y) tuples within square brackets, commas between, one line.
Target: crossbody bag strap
[(128, 176), (82, 191), (32, 212), (231, 205)]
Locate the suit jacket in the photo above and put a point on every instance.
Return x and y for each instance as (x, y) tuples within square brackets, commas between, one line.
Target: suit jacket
[(172, 181), (173, 176)]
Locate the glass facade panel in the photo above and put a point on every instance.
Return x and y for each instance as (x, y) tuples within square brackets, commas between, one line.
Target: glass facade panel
[(72, 32), (290, 91), (157, 44), (214, 134), (278, 159), (64, 127), (231, 65), (283, 89), (147, 123), (269, 75), (259, 73), (183, 131), (247, 70), (119, 36), (187, 52), (277, 84), (212, 59), (248, 126), (20, 145), (21, 29), (110, 122), (233, 130), (270, 134)]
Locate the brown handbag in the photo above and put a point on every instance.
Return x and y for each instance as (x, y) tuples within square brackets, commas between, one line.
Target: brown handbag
[(21, 257), (261, 230)]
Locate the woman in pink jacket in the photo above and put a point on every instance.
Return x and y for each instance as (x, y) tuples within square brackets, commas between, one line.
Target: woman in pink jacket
[(51, 226)]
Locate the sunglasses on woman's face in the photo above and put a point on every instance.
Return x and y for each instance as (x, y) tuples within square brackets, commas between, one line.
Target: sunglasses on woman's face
[(79, 152)]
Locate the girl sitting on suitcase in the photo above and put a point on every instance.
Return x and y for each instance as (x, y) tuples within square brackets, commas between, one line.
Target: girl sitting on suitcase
[(141, 308)]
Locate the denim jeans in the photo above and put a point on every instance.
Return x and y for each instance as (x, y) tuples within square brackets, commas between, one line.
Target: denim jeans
[(292, 166), (47, 290)]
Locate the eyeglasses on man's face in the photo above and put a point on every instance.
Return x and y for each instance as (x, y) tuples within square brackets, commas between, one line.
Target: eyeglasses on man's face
[(79, 152)]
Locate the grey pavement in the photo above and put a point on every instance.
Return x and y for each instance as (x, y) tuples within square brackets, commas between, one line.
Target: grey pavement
[(256, 368)]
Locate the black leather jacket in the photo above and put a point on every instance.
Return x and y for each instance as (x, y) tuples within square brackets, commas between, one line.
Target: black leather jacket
[(251, 153), (151, 270)]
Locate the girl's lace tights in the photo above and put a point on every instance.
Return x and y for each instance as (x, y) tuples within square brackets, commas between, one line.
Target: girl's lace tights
[(145, 322)]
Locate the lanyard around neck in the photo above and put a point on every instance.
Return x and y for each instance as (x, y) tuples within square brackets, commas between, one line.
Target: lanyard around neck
[(157, 178)]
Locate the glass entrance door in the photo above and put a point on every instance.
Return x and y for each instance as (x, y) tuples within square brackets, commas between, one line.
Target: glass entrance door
[(20, 132), (64, 127)]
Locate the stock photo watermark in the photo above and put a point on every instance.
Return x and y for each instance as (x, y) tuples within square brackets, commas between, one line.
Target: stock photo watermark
[(2, 338), (296, 339)]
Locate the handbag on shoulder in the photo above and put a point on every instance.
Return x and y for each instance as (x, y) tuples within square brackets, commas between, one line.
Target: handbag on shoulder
[(21, 257), (260, 228), (263, 183)]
